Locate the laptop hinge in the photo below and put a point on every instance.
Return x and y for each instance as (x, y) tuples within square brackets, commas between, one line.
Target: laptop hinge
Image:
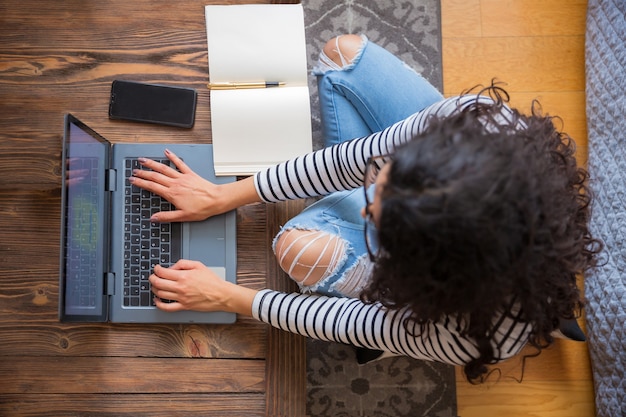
[(109, 281), (111, 180)]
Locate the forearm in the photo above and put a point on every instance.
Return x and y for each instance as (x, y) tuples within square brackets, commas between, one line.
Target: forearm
[(326, 318), (237, 194), (350, 321), (239, 300)]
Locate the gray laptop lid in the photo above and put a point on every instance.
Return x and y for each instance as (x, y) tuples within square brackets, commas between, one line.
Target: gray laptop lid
[(84, 225), (212, 242)]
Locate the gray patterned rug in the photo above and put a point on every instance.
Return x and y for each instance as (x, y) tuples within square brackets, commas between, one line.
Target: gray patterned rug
[(393, 387), (605, 286)]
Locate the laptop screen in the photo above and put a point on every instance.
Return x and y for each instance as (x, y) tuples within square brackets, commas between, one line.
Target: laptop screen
[(84, 223)]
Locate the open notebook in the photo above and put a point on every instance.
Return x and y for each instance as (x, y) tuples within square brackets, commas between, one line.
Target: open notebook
[(255, 128)]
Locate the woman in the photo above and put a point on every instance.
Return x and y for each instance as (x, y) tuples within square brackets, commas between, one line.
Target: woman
[(452, 229)]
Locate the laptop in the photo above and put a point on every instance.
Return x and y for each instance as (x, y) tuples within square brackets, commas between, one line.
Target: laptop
[(109, 246)]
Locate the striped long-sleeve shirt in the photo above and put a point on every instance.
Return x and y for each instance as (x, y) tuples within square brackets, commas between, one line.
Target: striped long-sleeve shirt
[(348, 320)]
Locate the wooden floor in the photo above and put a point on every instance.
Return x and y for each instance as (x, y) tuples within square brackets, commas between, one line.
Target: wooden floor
[(58, 57), (537, 48)]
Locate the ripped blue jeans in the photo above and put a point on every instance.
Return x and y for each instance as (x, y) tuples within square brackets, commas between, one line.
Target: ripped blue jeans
[(361, 97)]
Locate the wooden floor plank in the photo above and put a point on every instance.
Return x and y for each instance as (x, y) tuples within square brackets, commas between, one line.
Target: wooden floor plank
[(246, 340), (533, 17), (460, 19), (286, 352), (569, 398), (135, 405), (524, 63), (107, 375)]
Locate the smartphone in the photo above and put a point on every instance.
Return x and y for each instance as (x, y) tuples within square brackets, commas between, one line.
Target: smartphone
[(153, 103)]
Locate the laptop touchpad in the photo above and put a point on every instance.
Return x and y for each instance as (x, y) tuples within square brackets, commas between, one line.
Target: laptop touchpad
[(204, 242)]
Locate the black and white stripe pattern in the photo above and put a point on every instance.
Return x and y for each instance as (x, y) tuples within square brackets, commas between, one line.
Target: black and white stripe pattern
[(342, 167), (350, 321)]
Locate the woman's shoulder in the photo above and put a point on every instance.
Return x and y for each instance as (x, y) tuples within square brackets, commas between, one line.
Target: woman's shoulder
[(453, 104)]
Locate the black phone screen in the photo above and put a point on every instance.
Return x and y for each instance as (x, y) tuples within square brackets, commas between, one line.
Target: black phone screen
[(153, 103)]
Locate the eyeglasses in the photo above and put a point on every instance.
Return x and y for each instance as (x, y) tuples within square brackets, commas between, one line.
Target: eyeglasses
[(372, 169)]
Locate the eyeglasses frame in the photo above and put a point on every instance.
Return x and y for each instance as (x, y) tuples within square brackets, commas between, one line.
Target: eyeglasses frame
[(368, 181)]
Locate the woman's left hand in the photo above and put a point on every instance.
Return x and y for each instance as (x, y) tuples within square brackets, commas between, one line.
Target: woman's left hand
[(193, 286)]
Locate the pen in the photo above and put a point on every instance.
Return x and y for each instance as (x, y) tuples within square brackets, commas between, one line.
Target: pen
[(235, 86)]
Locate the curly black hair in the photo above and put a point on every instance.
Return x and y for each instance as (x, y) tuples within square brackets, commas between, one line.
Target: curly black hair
[(486, 208)]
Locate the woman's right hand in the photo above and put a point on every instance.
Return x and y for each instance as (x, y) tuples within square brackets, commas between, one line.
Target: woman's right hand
[(194, 197)]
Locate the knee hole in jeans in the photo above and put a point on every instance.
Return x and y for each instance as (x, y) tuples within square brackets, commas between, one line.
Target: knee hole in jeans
[(343, 49), (309, 256)]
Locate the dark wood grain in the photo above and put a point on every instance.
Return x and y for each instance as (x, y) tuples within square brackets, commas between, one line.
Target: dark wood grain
[(286, 353), (246, 340), (102, 375), (136, 405), (60, 57)]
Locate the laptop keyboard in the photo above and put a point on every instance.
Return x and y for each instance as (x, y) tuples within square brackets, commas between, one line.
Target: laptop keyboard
[(146, 244)]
